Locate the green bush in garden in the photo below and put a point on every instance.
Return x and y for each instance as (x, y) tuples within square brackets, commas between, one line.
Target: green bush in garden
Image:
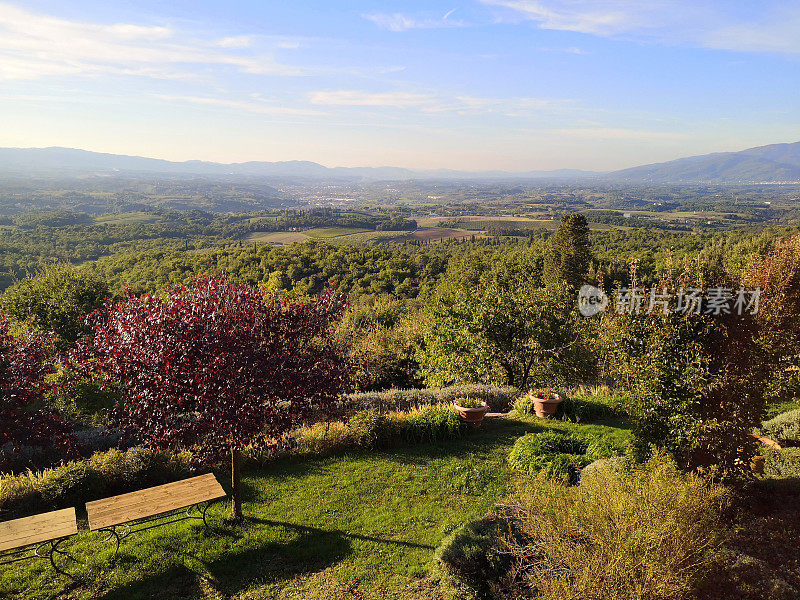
[(431, 424), (373, 429), (473, 555), (784, 429), (557, 455), (103, 474), (783, 463), (550, 442)]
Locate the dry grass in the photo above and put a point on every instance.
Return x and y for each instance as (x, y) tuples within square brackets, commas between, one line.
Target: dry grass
[(650, 533)]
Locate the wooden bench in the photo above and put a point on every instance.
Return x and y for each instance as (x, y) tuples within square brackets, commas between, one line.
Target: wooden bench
[(153, 507), (37, 537)]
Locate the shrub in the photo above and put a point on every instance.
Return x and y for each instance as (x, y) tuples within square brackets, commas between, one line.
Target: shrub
[(373, 429), (783, 463), (551, 454), (431, 424), (524, 405), (499, 398), (601, 447), (550, 442), (103, 474), (648, 532), (469, 403), (473, 555), (584, 410), (564, 468), (784, 429), (323, 438)]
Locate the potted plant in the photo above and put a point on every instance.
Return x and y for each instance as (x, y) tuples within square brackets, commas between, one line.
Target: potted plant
[(471, 411), (545, 402)]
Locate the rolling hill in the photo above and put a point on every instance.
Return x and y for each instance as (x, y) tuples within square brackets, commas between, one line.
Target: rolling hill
[(776, 163)]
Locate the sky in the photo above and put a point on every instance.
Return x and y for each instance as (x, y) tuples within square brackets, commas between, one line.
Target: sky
[(517, 85)]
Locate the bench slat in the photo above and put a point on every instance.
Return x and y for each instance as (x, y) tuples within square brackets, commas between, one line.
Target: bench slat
[(152, 501), (37, 529)]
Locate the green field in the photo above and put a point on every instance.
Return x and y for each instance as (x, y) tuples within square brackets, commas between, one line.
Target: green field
[(332, 232)]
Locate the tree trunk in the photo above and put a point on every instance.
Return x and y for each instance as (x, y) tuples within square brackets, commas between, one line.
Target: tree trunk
[(236, 483)]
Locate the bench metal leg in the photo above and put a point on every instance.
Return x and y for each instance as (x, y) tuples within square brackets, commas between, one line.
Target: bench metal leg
[(203, 509), (120, 532), (112, 532), (48, 550)]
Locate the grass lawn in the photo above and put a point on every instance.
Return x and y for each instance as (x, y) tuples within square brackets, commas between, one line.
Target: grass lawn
[(358, 525)]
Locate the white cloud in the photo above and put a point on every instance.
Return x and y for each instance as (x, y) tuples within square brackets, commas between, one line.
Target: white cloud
[(400, 22), (257, 107), (361, 98), (34, 45), (430, 103), (236, 41), (702, 23), (568, 50)]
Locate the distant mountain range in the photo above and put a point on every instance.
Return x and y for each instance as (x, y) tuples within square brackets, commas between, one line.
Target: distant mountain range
[(69, 161), (777, 163)]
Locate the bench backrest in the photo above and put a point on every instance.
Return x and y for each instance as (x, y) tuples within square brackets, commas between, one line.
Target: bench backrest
[(152, 501), (37, 529)]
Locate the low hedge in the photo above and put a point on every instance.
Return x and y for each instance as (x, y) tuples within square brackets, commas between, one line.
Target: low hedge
[(782, 464), (372, 428), (103, 474), (557, 455), (784, 429), (499, 399), (582, 405)]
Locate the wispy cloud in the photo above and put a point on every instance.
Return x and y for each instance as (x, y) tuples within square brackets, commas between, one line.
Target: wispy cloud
[(612, 133), (433, 103), (362, 98), (567, 50), (235, 41), (254, 106), (34, 45), (702, 23), (401, 22)]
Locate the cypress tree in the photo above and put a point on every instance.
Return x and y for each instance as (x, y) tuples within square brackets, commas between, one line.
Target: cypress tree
[(569, 253)]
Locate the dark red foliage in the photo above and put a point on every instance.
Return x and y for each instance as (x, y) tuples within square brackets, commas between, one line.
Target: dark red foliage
[(24, 363), (217, 366)]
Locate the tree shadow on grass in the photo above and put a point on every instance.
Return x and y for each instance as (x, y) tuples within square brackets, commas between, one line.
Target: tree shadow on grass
[(304, 529), (310, 552)]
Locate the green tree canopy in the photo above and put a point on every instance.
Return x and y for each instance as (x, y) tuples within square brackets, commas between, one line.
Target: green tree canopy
[(568, 254), (57, 299), (491, 322)]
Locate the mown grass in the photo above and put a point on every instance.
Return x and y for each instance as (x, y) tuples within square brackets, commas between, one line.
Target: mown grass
[(362, 524)]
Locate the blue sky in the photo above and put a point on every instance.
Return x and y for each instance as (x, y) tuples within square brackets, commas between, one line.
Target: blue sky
[(484, 84)]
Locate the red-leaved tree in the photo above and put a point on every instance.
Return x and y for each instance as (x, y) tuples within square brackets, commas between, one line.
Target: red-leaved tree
[(24, 421), (216, 367)]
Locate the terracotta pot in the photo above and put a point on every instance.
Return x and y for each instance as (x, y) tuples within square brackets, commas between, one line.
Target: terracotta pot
[(546, 407), (473, 416)]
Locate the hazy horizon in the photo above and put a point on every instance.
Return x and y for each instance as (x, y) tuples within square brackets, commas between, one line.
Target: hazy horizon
[(512, 85)]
